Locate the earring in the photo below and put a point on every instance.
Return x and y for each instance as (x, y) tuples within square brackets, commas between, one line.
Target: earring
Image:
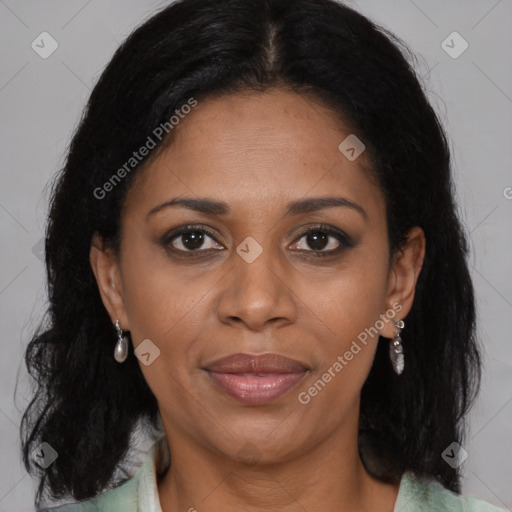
[(396, 351), (121, 350)]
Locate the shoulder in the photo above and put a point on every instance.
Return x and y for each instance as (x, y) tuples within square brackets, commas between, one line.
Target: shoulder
[(122, 498), (138, 493), (416, 494)]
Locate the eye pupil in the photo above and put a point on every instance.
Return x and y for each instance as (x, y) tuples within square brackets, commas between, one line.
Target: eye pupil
[(317, 237), (194, 238)]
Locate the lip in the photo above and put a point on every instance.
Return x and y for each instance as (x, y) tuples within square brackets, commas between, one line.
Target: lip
[(256, 379), (256, 363)]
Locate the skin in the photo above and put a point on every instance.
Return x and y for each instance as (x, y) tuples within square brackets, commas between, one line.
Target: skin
[(257, 152)]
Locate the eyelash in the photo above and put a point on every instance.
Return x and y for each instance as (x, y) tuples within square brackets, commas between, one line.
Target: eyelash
[(345, 240)]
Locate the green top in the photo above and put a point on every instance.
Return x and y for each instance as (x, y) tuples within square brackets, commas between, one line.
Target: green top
[(140, 493)]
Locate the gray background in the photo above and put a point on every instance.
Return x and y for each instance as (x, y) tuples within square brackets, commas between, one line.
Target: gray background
[(40, 104)]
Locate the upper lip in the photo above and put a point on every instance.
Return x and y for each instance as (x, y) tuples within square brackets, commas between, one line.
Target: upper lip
[(259, 363)]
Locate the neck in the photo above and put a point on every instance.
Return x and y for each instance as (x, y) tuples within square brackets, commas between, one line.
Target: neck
[(329, 475)]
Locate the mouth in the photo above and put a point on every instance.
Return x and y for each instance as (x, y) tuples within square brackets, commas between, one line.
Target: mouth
[(256, 379)]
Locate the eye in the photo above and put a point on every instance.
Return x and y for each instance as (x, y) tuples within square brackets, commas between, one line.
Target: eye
[(192, 239), (324, 240)]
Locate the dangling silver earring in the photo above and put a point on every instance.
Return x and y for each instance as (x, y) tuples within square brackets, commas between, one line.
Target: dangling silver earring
[(396, 351), (121, 350)]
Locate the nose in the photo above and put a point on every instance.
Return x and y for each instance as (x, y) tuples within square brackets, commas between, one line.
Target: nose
[(258, 294)]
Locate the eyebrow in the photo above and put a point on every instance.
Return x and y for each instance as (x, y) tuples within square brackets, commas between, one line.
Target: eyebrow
[(213, 207)]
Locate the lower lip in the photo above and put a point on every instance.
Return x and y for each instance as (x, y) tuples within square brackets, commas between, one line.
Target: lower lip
[(255, 390)]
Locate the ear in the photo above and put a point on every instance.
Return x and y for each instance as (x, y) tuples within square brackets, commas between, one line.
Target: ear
[(405, 269), (105, 266)]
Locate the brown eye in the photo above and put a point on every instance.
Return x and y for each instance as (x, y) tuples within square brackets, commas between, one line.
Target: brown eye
[(191, 239), (317, 240), (323, 240)]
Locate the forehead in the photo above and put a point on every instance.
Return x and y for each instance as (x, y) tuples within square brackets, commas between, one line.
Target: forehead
[(258, 149)]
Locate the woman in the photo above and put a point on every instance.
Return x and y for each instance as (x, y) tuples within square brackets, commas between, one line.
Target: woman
[(253, 247)]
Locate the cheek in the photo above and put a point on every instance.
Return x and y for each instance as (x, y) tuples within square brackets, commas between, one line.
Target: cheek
[(350, 308), (160, 298), (351, 298), (168, 305), (346, 359)]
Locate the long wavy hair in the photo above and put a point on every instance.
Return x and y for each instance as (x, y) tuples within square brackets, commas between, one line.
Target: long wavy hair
[(85, 404)]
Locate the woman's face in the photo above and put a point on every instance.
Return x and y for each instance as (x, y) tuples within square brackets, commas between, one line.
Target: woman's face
[(254, 282)]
